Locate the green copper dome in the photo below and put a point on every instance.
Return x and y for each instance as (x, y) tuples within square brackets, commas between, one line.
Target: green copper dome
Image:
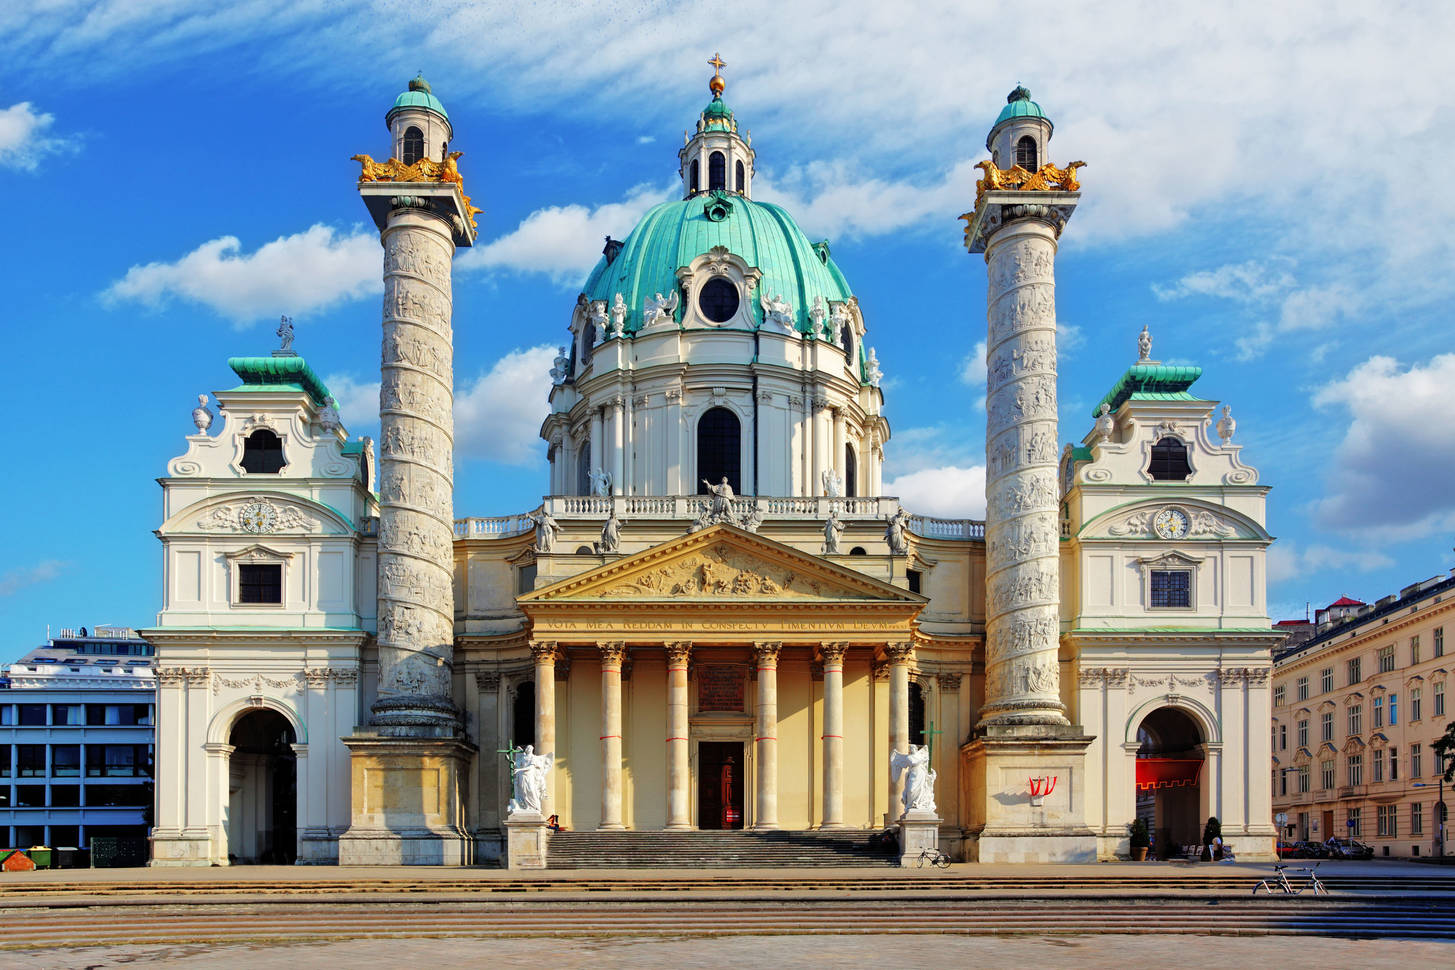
[(1018, 104), (419, 95), (673, 234)]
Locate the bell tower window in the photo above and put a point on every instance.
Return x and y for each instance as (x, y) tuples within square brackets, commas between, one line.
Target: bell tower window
[(693, 182), (413, 145), (851, 471), (583, 469), (1169, 461), (742, 181), (1025, 153), (719, 449), (262, 453), (716, 171)]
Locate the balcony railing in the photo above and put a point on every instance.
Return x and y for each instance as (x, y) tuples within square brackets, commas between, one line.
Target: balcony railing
[(1353, 791)]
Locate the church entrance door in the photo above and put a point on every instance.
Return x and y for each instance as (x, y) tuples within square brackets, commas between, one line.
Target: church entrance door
[(1169, 784), (261, 821), (720, 785)]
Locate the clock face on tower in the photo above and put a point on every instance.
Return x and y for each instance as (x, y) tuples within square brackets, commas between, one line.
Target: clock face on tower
[(1170, 523), (258, 517)]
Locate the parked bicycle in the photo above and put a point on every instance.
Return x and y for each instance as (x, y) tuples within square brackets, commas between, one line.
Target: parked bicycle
[(1281, 884), (935, 858)]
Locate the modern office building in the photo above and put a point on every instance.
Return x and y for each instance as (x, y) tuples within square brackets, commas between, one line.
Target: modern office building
[(1356, 708), (77, 729)]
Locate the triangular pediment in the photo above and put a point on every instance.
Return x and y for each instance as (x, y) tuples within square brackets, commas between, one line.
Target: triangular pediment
[(722, 565)]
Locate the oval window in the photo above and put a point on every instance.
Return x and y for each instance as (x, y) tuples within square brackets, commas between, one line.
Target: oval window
[(718, 300)]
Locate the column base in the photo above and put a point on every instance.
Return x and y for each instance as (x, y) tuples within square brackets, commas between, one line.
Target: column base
[(1006, 771), (525, 841), (918, 831), (407, 802), (176, 848)]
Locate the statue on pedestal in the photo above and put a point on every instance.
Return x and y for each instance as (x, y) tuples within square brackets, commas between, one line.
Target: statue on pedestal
[(601, 482), (285, 335), (547, 528), (896, 528), (833, 529), (611, 534), (721, 509), (528, 779), (919, 778), (1144, 346), (201, 416)]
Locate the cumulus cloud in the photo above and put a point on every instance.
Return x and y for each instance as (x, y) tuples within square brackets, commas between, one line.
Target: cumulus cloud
[(498, 416), (972, 367), (838, 199), (1254, 280), (1393, 468), (25, 138), (950, 492), (1289, 561), (296, 274), (358, 402), (15, 580), (563, 242)]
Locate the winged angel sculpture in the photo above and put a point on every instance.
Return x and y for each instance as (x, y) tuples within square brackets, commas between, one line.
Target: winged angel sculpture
[(660, 308), (777, 311)]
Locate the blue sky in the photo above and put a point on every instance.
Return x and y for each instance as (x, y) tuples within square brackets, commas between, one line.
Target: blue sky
[(1263, 190)]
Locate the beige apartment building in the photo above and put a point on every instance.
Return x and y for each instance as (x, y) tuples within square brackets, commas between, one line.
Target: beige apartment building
[(1356, 708)]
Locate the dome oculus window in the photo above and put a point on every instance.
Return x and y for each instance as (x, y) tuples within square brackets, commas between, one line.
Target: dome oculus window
[(718, 300)]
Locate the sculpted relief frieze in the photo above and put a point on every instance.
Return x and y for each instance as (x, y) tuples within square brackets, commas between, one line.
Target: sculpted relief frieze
[(260, 516), (1202, 524), (1023, 262), (1017, 495), (724, 571)]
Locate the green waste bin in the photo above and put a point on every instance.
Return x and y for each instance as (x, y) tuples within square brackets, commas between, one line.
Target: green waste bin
[(40, 855)]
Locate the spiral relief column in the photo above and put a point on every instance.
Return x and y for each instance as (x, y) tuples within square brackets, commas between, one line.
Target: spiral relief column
[(1022, 680)]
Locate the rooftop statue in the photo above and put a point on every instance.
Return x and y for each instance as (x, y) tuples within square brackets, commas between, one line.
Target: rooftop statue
[(598, 322), (201, 416), (659, 308), (777, 311), (285, 334), (896, 532), (547, 528), (1105, 423), (721, 509), (619, 310), (611, 534), (1226, 424), (876, 373), (601, 482), (833, 529), (558, 366), (816, 315), (1144, 346)]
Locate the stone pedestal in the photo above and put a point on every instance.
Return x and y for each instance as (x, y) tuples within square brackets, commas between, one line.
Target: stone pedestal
[(408, 802), (1002, 770), (526, 841), (917, 831)]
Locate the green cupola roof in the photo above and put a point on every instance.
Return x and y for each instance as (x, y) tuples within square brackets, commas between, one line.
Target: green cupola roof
[(279, 374), (419, 95), (1018, 104), (1151, 382)]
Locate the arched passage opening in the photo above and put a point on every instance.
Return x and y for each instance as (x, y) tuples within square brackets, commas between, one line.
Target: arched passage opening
[(262, 804), (1169, 776)]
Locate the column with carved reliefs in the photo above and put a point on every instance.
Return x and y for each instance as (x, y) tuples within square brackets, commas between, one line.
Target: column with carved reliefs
[(1021, 531), (765, 735), (679, 774), (611, 658), (416, 479)]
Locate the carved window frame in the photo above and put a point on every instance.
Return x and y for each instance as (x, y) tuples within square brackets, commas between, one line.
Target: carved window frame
[(719, 263), (256, 555), (1157, 433), (1170, 562), (261, 422)]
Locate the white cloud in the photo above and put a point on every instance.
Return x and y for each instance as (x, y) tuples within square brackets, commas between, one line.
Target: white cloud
[(1392, 471), (841, 199), (499, 415), (296, 274), (24, 138), (358, 402), (1068, 338), (563, 242), (950, 491), (22, 576), (1287, 561), (1255, 280), (972, 367)]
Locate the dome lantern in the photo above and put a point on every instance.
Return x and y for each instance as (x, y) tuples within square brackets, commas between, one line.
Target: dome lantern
[(1020, 133), (419, 124), (715, 158)]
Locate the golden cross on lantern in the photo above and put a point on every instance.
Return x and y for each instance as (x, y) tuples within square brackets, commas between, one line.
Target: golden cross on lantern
[(717, 64)]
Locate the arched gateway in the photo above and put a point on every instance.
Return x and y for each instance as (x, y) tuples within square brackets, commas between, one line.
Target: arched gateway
[(262, 817), (1169, 768)]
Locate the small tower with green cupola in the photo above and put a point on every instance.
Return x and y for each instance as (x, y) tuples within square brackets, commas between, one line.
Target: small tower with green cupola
[(419, 124), (716, 158), (1020, 133)]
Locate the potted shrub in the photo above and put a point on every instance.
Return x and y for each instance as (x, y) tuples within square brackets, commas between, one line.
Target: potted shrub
[(1212, 834), (1140, 840)]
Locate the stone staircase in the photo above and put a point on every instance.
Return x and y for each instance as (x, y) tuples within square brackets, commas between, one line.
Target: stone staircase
[(713, 850)]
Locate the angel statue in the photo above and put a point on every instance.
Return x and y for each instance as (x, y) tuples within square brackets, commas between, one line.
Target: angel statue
[(201, 416), (777, 311), (598, 321), (559, 365), (833, 483), (528, 778), (285, 334), (660, 308), (919, 778), (816, 315), (618, 317), (600, 482), (876, 373)]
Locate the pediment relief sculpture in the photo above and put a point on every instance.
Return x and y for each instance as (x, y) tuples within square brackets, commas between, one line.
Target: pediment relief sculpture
[(259, 515), (1174, 522), (724, 571)]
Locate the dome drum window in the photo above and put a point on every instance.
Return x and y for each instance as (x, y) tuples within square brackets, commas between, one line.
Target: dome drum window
[(718, 300)]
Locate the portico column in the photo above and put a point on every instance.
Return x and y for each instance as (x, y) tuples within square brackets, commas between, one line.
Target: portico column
[(611, 656), (679, 813), (833, 734), (766, 734), (899, 655), (544, 655)]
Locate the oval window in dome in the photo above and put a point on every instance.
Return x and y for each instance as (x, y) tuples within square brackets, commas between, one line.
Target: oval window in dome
[(718, 300)]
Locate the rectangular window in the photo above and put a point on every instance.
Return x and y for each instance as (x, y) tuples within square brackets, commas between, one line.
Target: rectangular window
[(1283, 783), (65, 796), (1326, 726), (1439, 691), (1386, 821), (30, 796), (1394, 764), (1283, 737), (1356, 769), (262, 583), (1377, 766), (7, 714), (1278, 696), (1355, 819), (1393, 709), (1378, 712), (66, 761), (32, 715), (1326, 775), (1301, 688), (1438, 641), (1386, 659), (30, 760), (1171, 588), (1417, 703), (4, 768), (1417, 819), (1303, 779), (1356, 719), (1326, 679), (1416, 755), (1303, 733), (1414, 649), (1354, 675), (73, 715)]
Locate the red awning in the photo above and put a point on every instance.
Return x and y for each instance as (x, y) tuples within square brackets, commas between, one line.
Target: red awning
[(1167, 772)]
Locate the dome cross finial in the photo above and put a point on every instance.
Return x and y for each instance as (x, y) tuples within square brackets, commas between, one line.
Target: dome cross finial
[(717, 84)]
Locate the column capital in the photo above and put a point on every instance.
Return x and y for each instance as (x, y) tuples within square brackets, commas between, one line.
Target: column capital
[(545, 651), (950, 681), (679, 652), (612, 653), (900, 653), (766, 652), (832, 651), (487, 679)]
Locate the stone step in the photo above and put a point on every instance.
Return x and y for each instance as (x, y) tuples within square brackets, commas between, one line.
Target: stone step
[(712, 850)]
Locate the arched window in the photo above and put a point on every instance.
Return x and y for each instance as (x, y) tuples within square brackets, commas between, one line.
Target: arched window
[(716, 171), (742, 180), (693, 183), (262, 453), (851, 471), (1169, 461), (583, 469), (916, 714), (523, 724), (588, 334), (413, 145), (719, 449), (846, 339), (1025, 153)]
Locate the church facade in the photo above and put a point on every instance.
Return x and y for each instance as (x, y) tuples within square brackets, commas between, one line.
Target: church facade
[(715, 618)]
